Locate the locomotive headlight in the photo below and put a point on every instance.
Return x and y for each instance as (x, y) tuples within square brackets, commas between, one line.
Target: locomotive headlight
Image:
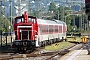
[(35, 37)]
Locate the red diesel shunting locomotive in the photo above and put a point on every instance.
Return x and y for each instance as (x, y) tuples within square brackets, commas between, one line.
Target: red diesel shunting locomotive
[(33, 32)]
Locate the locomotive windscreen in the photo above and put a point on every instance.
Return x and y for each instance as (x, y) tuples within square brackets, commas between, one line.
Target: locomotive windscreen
[(19, 20)]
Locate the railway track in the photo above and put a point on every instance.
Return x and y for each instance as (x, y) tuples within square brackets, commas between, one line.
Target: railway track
[(37, 53), (61, 53), (8, 55)]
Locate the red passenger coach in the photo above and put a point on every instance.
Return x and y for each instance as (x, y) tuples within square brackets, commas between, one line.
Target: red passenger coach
[(33, 32)]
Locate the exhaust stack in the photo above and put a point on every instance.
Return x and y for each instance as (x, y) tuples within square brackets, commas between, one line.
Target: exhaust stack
[(25, 17)]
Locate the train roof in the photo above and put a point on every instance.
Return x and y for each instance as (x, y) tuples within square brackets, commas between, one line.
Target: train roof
[(41, 21), (50, 22), (60, 22)]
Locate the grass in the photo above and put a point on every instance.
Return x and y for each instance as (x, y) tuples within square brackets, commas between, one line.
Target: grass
[(57, 46), (78, 39)]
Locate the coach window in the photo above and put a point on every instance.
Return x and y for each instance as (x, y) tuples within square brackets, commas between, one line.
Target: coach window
[(56, 28)]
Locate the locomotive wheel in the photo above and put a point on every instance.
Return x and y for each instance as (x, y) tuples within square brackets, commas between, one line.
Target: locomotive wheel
[(48, 42), (51, 41), (45, 43), (42, 44), (18, 49), (66, 40), (55, 40), (58, 39)]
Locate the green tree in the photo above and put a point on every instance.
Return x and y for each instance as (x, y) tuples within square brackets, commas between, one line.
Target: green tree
[(68, 22), (52, 7), (4, 24), (35, 13), (59, 11)]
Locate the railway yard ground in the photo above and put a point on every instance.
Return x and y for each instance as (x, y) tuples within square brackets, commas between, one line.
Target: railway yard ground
[(71, 49), (76, 55)]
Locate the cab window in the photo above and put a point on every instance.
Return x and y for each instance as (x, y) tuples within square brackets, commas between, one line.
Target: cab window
[(31, 20), (19, 20)]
